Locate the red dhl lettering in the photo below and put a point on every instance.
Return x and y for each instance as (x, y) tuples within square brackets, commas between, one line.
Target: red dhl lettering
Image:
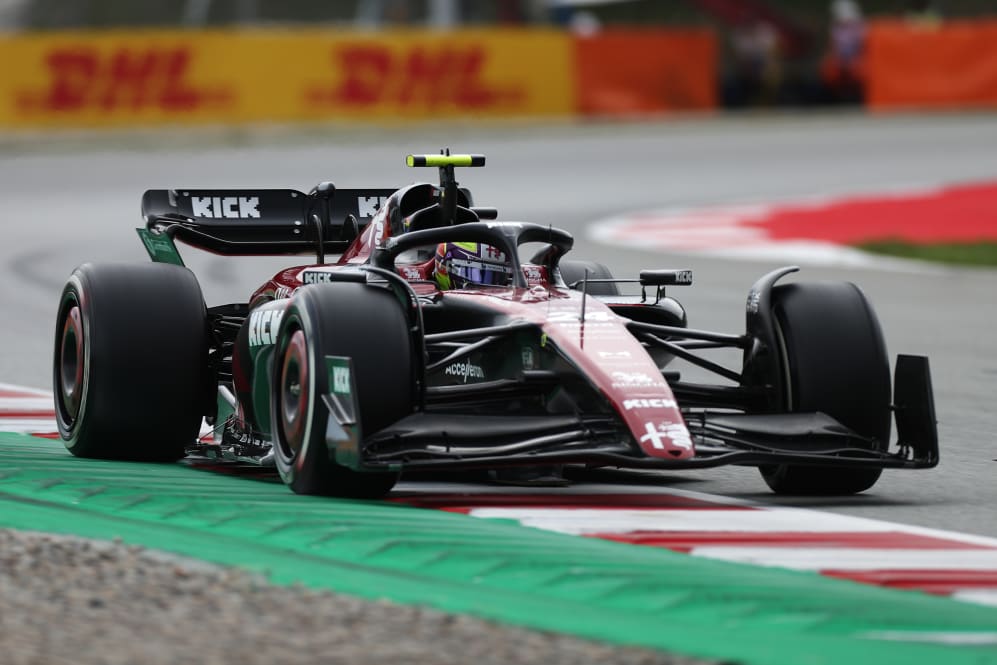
[(130, 79), (422, 76)]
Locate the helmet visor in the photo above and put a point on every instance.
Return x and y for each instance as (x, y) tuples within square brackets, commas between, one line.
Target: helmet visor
[(480, 272)]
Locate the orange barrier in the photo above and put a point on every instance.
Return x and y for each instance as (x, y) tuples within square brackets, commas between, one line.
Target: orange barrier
[(951, 65), (624, 71), (121, 78)]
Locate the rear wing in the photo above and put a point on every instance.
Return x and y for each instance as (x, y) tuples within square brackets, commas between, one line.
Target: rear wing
[(257, 221)]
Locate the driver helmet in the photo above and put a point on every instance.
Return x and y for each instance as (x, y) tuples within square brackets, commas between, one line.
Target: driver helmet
[(460, 265)]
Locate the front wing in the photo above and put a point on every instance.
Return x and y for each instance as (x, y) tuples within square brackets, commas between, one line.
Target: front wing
[(437, 439)]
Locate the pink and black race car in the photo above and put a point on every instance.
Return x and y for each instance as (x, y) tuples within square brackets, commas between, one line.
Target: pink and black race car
[(432, 343)]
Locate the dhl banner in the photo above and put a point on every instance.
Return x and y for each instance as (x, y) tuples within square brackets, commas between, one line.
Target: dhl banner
[(946, 65), (153, 77)]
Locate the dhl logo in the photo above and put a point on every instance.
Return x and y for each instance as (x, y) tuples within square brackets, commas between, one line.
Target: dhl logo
[(126, 79), (448, 76)]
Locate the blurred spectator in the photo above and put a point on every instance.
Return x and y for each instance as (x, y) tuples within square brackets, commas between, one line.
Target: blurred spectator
[(572, 15), (756, 77), (383, 13), (923, 13), (842, 69), (10, 14), (585, 23)]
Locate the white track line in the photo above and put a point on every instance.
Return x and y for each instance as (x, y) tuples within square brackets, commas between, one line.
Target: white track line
[(9, 387), (28, 425), (42, 405), (854, 559), (582, 521)]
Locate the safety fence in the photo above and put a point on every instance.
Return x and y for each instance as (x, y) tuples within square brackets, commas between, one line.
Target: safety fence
[(153, 77)]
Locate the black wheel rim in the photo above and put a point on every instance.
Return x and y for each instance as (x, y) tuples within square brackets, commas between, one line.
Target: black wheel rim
[(294, 395), (71, 363)]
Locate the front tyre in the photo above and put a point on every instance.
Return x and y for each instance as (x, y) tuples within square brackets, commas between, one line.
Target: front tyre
[(130, 362), (366, 324), (833, 359)]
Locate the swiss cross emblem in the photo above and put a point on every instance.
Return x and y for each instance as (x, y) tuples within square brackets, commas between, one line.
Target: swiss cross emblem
[(654, 436)]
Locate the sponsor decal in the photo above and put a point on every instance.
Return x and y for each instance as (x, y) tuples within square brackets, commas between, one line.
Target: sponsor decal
[(83, 77), (677, 433), (157, 245), (465, 370), (226, 207), (651, 403), (341, 380), (263, 326), (534, 275), (589, 325), (636, 380), (316, 276), (427, 76), (564, 316), (754, 297), (160, 247), (409, 272), (529, 358), (377, 233), (683, 277), (492, 252), (282, 292), (632, 378), (574, 316), (614, 355), (367, 206)]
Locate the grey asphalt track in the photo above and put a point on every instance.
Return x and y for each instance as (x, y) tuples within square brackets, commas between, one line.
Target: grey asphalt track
[(69, 199)]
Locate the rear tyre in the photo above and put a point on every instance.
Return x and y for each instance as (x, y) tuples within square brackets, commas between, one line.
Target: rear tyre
[(366, 324), (574, 271), (130, 364), (833, 360)]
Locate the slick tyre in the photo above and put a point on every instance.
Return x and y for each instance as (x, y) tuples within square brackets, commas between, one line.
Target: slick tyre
[(574, 271), (367, 325), (130, 365), (834, 360)]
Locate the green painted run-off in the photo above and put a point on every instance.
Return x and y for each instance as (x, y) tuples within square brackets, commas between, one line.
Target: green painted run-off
[(489, 568)]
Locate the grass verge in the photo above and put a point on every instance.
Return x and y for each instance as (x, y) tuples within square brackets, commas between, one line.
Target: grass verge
[(976, 254)]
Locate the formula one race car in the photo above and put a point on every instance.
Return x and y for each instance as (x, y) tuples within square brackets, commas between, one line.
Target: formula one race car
[(431, 343)]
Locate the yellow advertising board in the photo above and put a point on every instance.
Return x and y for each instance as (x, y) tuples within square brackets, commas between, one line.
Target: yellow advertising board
[(154, 77)]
